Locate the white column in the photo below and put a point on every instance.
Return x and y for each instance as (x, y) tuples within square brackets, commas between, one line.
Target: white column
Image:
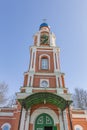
[(57, 81), (31, 59), (65, 120), (34, 58), (22, 119), (60, 81), (38, 42), (61, 121), (54, 60), (27, 120)]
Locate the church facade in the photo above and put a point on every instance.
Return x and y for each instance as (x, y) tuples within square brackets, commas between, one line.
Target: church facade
[(43, 102)]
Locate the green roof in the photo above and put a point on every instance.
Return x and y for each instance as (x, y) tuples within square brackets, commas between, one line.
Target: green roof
[(45, 97)]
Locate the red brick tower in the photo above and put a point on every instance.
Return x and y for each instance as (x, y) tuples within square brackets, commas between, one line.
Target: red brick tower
[(44, 97)]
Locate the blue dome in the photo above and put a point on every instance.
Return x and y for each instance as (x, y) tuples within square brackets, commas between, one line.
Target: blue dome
[(43, 25)]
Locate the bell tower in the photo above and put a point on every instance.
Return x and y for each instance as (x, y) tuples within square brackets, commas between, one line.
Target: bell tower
[(44, 69), (43, 94)]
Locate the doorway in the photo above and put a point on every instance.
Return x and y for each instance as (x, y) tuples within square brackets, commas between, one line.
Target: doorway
[(44, 122), (48, 128)]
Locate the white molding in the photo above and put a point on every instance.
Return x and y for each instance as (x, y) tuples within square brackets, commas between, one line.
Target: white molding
[(65, 120), (1, 118), (32, 80), (6, 114), (22, 119), (61, 121), (40, 57), (34, 58), (57, 81), (22, 95), (78, 126), (54, 61), (46, 110), (38, 39), (79, 116), (6, 124), (47, 47), (44, 80), (27, 120)]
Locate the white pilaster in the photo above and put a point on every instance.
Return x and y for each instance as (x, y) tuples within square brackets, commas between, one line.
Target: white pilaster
[(22, 119), (61, 121), (31, 59), (27, 120), (38, 41), (57, 81), (34, 58), (60, 81), (54, 60), (32, 80), (65, 120)]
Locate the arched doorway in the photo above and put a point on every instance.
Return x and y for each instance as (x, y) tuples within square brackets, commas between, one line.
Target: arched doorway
[(44, 122)]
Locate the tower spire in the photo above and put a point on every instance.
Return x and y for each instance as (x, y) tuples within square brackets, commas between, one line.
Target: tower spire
[(44, 20)]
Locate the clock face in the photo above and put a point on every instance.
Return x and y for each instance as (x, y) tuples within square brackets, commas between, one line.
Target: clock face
[(44, 83), (44, 39)]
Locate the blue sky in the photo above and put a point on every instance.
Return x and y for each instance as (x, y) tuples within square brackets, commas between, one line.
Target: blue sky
[(20, 19)]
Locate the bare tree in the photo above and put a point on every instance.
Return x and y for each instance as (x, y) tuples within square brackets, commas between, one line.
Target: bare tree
[(11, 101), (80, 98), (3, 91)]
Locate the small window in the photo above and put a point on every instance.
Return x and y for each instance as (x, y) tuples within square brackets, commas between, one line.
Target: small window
[(77, 128), (44, 63), (6, 127)]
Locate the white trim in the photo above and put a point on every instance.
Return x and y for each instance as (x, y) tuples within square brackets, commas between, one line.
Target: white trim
[(28, 79), (40, 57), (40, 47), (60, 81), (61, 121), (41, 80), (57, 82), (32, 80), (34, 58), (46, 110), (22, 119), (6, 114), (54, 60), (79, 116), (78, 126), (27, 120), (8, 118), (38, 39), (6, 124), (65, 119), (31, 59)]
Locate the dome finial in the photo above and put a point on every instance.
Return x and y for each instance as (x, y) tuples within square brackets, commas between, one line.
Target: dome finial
[(44, 20), (44, 24)]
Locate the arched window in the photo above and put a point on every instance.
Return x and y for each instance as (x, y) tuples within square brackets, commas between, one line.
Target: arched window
[(44, 63), (6, 126), (78, 127)]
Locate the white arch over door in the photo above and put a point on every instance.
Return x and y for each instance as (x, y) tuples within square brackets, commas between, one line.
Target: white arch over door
[(78, 127), (39, 111)]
